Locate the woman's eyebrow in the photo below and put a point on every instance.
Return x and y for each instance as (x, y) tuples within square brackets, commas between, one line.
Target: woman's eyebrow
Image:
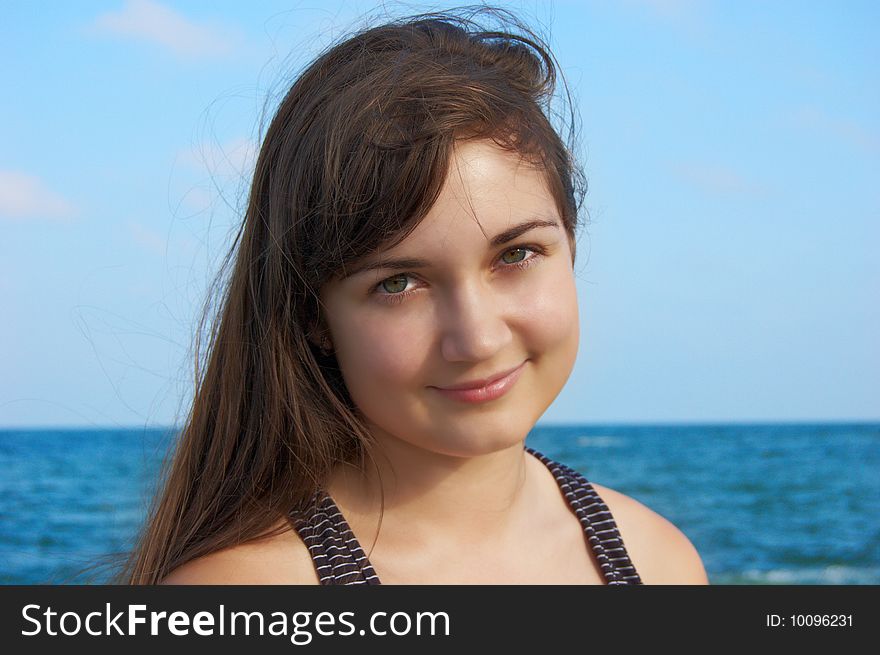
[(410, 264)]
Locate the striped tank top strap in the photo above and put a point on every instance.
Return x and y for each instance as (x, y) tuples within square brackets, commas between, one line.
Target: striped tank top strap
[(599, 526), (336, 553)]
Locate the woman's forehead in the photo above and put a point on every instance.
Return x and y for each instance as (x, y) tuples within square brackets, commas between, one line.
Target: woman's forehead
[(484, 161), (486, 189), (489, 197)]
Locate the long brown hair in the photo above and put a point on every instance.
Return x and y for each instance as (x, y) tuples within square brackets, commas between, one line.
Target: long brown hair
[(353, 159)]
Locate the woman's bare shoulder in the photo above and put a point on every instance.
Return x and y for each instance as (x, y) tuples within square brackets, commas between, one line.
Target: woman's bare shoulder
[(280, 559), (661, 553)]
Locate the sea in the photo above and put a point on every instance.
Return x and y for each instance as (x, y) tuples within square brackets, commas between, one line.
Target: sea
[(764, 504)]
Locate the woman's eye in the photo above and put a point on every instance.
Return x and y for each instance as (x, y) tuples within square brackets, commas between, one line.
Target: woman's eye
[(394, 284), (517, 258), (394, 289)]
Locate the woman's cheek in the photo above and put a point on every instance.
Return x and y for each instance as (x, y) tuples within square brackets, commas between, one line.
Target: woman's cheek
[(548, 311), (383, 353)]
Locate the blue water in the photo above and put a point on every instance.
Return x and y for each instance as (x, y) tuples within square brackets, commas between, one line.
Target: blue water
[(763, 504)]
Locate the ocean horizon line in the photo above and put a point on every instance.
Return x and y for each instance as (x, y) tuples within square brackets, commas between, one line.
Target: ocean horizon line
[(539, 424)]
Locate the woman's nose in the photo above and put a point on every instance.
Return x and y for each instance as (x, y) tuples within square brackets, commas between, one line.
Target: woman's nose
[(473, 324)]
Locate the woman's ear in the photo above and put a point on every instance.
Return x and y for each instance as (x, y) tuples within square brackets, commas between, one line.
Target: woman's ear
[(319, 336)]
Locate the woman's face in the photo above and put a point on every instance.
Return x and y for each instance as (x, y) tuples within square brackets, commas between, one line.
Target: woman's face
[(478, 305)]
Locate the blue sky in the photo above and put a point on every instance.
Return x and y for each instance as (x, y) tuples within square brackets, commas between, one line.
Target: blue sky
[(730, 271)]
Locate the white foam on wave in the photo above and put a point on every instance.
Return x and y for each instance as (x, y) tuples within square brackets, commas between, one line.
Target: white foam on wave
[(835, 574)]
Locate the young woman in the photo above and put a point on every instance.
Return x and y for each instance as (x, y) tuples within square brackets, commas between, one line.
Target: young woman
[(401, 311)]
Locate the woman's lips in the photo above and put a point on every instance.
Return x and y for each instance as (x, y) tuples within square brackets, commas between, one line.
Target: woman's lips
[(490, 391)]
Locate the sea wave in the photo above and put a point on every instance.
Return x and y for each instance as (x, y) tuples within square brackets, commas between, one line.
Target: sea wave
[(834, 574)]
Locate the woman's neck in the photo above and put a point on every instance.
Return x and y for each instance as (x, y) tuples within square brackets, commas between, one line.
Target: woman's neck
[(481, 498)]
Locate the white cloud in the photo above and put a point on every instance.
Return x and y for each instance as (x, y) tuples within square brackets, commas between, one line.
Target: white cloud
[(668, 8), (24, 196), (150, 21), (234, 159), (147, 239), (813, 118), (197, 200), (685, 16), (224, 174), (716, 179)]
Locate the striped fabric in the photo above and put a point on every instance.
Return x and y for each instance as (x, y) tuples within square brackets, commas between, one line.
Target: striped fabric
[(340, 560), (599, 526), (338, 557)]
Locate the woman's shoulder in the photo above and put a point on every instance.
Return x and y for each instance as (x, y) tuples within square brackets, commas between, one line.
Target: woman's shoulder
[(279, 559), (661, 553)]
